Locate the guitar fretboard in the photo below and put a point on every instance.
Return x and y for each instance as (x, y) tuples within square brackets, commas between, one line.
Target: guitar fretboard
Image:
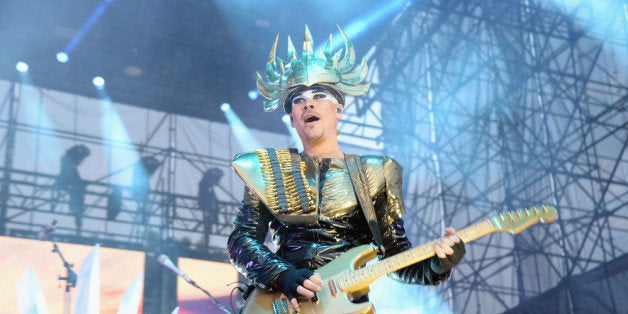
[(512, 222)]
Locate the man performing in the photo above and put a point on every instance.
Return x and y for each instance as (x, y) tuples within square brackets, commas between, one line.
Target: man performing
[(321, 202)]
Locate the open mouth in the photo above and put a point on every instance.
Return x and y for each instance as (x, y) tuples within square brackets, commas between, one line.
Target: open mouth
[(312, 118)]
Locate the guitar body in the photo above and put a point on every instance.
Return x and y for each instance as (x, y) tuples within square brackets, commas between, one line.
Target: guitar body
[(261, 301)]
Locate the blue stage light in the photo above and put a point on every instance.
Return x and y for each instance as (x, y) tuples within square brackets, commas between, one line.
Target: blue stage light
[(293, 132), (93, 18), (63, 57), (22, 67), (253, 94), (367, 21), (244, 136), (98, 82), (118, 144), (37, 112), (285, 118)]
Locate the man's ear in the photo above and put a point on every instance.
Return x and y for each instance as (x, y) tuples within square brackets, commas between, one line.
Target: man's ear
[(339, 110), (291, 120)]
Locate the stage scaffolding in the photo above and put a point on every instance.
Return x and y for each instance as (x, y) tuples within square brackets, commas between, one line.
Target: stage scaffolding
[(499, 105), (488, 105), (114, 215)]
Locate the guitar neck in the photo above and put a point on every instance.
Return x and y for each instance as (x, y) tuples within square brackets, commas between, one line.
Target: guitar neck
[(512, 222), (370, 273), (425, 251)]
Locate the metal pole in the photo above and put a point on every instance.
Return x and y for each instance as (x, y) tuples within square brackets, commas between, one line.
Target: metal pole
[(8, 158), (172, 165)]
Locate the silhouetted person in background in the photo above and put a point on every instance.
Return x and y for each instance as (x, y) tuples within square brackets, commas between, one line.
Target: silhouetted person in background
[(70, 180), (208, 202)]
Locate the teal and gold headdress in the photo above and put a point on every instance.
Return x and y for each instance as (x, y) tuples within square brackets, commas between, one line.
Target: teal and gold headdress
[(322, 68)]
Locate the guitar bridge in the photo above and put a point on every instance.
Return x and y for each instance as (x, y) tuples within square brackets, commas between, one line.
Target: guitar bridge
[(280, 306)]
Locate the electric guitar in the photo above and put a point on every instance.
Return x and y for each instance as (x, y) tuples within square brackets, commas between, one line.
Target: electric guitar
[(344, 278)]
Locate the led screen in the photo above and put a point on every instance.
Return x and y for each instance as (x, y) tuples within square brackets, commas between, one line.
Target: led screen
[(119, 269), (215, 277)]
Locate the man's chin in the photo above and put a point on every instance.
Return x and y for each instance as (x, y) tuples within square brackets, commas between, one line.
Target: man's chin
[(314, 137)]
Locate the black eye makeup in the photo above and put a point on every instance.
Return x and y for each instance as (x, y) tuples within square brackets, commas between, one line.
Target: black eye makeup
[(319, 96), (298, 100)]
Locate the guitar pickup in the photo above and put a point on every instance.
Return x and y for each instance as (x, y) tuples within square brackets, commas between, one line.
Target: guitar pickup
[(332, 287)]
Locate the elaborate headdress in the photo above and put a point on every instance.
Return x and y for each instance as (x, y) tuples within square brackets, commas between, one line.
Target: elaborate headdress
[(323, 68)]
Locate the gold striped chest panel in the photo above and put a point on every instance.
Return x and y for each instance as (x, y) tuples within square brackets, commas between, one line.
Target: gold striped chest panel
[(289, 184), (285, 184)]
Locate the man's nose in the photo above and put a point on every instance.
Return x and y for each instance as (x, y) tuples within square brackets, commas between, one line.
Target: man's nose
[(309, 104)]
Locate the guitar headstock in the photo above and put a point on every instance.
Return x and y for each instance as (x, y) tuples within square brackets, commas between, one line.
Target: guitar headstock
[(517, 221)]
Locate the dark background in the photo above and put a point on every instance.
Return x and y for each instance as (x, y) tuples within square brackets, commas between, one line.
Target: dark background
[(180, 56)]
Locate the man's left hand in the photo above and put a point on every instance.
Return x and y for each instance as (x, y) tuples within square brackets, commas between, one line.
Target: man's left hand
[(449, 250)]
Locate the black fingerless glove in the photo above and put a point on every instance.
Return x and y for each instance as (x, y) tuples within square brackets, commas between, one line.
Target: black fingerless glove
[(289, 280), (443, 265)]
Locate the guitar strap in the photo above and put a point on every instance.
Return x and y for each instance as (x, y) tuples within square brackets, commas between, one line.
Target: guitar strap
[(361, 190)]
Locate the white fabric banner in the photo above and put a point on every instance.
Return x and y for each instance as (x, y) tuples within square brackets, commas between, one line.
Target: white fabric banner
[(30, 296), (88, 284), (131, 301)]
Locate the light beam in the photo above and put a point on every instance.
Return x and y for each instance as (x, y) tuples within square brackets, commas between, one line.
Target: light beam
[(243, 135)]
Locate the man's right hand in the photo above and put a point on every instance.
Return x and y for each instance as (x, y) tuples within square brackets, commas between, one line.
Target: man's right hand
[(295, 282)]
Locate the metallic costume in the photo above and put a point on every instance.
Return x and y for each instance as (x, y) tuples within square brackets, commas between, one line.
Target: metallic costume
[(330, 225), (310, 205)]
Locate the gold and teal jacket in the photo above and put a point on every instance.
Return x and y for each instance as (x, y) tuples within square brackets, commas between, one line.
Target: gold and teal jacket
[(310, 208)]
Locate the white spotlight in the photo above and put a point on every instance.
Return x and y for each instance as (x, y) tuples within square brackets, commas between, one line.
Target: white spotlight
[(225, 106), (98, 82), (253, 94), (22, 67), (63, 57), (286, 118)]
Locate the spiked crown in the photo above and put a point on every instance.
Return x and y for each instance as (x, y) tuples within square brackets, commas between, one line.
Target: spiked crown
[(334, 71)]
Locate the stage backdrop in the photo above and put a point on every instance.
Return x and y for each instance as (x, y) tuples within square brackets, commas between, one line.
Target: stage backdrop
[(217, 278), (119, 268)]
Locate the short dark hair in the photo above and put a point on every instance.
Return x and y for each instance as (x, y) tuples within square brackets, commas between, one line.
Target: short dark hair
[(296, 90)]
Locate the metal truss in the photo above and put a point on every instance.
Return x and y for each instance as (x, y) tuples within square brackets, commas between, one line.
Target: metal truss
[(489, 105), (499, 105), (166, 218)]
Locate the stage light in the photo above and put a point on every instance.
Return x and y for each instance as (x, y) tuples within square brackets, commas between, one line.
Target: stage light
[(120, 148), (32, 106), (286, 118), (253, 94), (98, 82), (392, 296), (293, 132), (362, 24), (87, 26), (243, 135), (62, 57), (22, 67), (142, 172)]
